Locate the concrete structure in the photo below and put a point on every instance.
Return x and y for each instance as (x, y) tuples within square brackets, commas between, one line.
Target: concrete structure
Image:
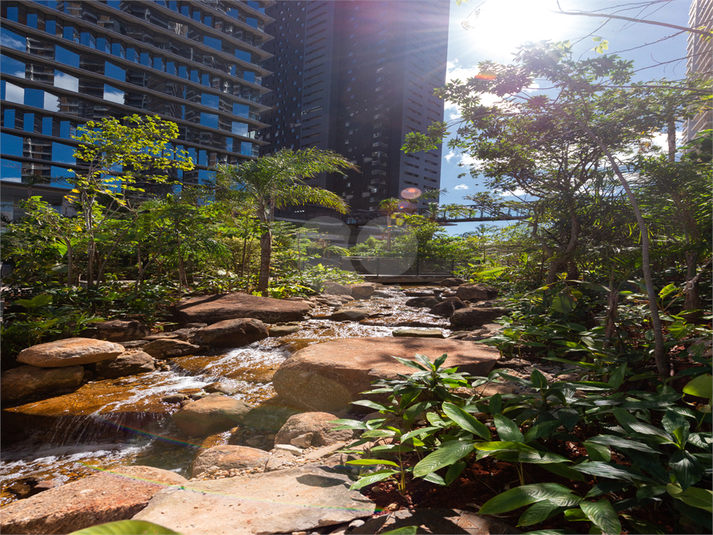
[(196, 63), (700, 60), (354, 77)]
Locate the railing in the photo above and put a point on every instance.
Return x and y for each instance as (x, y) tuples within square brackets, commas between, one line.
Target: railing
[(392, 266)]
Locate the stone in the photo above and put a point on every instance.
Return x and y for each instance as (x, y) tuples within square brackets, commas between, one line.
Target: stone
[(449, 282), (334, 288), (283, 501), (447, 307), (435, 521), (166, 348), (303, 441), (232, 333), (279, 460), (328, 376), (69, 352), (476, 316), (476, 292), (362, 291), (423, 333), (118, 330), (221, 388), (293, 450), (229, 458), (349, 315), (422, 302), (268, 417), (210, 415), (128, 363), (275, 331), (26, 382), (117, 494), (318, 424), (214, 308)]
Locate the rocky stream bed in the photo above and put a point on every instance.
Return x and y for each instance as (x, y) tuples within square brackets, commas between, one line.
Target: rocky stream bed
[(222, 427)]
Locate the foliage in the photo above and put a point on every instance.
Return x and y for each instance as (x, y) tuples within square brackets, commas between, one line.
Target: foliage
[(126, 527)]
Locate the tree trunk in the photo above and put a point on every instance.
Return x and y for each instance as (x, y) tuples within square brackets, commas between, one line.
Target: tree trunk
[(692, 296), (265, 257)]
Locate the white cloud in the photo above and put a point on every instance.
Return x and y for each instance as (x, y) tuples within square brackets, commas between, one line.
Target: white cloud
[(14, 93), (113, 95), (449, 156), (66, 81), (455, 72), (466, 160), (461, 186), (51, 102), (10, 42)]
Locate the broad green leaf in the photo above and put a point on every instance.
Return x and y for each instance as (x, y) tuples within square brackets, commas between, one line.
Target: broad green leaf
[(693, 496), (701, 386), (563, 470), (372, 478), (345, 423), (544, 429), (602, 515), (126, 527), (425, 361), (440, 360), (527, 494), (538, 379), (569, 417), (446, 455), (610, 471), (406, 530), (466, 421), (598, 452), (507, 429), (667, 290), (435, 420), (686, 467), (410, 363), (370, 404), (622, 443), (538, 512), (564, 302), (495, 405), (372, 462), (418, 433), (634, 425), (617, 376), (454, 471)]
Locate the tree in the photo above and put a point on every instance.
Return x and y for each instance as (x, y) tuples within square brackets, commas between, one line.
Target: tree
[(277, 181), (117, 157)]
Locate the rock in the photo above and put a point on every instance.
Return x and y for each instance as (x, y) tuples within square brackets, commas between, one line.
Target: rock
[(173, 398), (303, 441), (435, 521), (118, 330), (447, 307), (349, 315), (210, 415), (334, 288), (315, 423), (476, 316), (293, 450), (329, 376), (69, 352), (282, 330), (215, 308), (476, 292), (221, 388), (422, 302), (284, 501), (232, 333), (423, 333), (229, 458), (30, 381), (167, 348), (268, 418), (452, 281), (105, 497), (279, 460), (362, 291), (129, 363)]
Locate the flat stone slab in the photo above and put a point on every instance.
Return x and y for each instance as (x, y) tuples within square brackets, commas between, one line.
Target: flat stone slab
[(69, 352), (436, 521), (284, 501), (329, 376), (214, 308)]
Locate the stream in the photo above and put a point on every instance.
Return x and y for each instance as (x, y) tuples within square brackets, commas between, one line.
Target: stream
[(126, 420)]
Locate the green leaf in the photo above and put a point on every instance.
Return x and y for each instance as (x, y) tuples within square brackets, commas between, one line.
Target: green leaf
[(406, 530), (418, 433), (410, 363), (425, 361), (440, 360), (544, 429), (538, 512), (538, 379), (507, 429), (372, 478), (466, 421), (610, 471), (602, 515), (372, 462), (370, 405), (495, 406), (693, 496), (562, 470), (617, 376), (564, 302), (345, 423), (686, 467), (701, 386), (527, 494), (454, 471), (447, 454), (597, 452), (621, 443), (126, 527)]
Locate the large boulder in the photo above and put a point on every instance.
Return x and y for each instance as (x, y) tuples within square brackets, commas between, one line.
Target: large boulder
[(334, 288), (69, 352), (109, 496), (210, 415), (363, 290), (447, 307), (452, 281), (166, 348), (315, 425), (233, 333), (349, 315), (476, 316), (229, 458), (118, 330), (215, 308), (422, 302), (129, 363), (30, 382), (283, 501), (329, 376), (476, 292)]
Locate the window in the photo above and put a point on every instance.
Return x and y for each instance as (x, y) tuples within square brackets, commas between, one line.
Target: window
[(66, 81)]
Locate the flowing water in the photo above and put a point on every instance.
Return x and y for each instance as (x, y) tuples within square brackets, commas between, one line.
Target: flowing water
[(124, 421)]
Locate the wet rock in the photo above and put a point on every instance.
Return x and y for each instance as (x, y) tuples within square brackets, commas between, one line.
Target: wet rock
[(435, 521), (134, 344), (69, 352), (317, 424), (349, 315), (447, 307), (422, 302), (118, 330), (173, 398), (232, 333), (27, 382), (210, 415), (363, 290), (476, 292), (334, 288), (329, 376), (476, 316), (229, 458), (106, 497), (452, 281), (300, 499), (221, 388), (129, 363), (423, 333), (275, 331), (166, 348), (214, 308), (268, 418)]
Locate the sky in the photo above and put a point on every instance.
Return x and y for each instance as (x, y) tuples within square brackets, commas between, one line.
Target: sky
[(498, 27)]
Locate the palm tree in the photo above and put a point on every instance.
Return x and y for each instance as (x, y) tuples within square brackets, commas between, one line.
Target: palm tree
[(277, 181)]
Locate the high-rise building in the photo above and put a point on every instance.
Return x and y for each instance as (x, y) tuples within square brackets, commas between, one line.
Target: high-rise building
[(355, 77), (196, 63), (700, 60)]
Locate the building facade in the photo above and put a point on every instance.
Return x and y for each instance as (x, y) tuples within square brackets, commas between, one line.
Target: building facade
[(197, 63), (355, 77), (700, 60)]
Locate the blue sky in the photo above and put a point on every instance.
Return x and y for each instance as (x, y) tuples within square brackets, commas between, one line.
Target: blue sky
[(497, 27)]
